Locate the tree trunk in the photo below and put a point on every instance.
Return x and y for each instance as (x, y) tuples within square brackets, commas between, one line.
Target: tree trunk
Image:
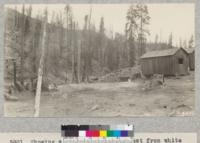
[(78, 61), (40, 70), (89, 56), (73, 50), (14, 68), (22, 46)]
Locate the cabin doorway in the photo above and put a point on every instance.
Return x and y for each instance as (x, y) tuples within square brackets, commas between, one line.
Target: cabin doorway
[(181, 66)]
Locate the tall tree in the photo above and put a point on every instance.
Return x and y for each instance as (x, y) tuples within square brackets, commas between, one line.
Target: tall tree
[(185, 44), (34, 53), (143, 20), (131, 33), (84, 47), (78, 58), (191, 42), (170, 41), (75, 54), (69, 20), (23, 20), (60, 25), (36, 42), (156, 39), (89, 55), (40, 69), (180, 42), (68, 36), (101, 42), (87, 47)]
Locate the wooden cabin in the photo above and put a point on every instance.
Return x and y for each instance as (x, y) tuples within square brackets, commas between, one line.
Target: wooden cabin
[(191, 56), (172, 61)]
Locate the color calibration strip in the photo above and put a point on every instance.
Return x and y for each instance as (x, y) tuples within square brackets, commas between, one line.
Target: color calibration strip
[(97, 131)]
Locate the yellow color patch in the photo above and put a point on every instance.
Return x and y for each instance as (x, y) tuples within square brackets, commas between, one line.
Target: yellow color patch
[(103, 133)]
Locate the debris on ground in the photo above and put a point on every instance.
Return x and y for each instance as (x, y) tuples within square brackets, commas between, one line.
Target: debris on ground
[(49, 83), (65, 95), (110, 99), (19, 86), (181, 109), (155, 81), (125, 74), (10, 97), (8, 93), (95, 107)]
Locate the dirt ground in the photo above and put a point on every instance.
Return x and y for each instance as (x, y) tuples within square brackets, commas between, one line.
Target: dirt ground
[(121, 99)]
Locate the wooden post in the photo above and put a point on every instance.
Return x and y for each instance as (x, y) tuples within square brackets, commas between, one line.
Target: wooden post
[(40, 70)]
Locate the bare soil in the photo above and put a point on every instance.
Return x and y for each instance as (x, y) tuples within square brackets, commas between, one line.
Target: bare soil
[(117, 99)]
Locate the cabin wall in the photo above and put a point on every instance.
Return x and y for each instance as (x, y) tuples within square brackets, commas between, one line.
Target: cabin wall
[(192, 61), (181, 69), (158, 65)]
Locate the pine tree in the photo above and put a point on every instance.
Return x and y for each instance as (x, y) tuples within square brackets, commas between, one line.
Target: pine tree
[(143, 18), (131, 29), (137, 20)]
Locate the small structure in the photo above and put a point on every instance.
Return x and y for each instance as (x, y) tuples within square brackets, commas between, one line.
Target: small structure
[(191, 56), (172, 61)]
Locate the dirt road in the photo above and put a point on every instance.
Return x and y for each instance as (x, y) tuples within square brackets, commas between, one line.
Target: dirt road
[(128, 99)]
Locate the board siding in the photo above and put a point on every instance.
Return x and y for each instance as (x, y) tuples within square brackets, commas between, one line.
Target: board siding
[(191, 61)]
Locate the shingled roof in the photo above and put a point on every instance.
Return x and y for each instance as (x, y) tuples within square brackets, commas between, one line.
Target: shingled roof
[(161, 53)]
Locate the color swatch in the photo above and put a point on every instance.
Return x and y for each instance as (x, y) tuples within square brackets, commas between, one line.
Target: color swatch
[(97, 131)]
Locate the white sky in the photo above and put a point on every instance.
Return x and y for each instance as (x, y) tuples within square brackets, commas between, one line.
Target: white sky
[(165, 18)]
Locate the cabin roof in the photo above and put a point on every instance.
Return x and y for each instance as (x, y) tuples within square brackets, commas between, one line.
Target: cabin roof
[(161, 53), (189, 50)]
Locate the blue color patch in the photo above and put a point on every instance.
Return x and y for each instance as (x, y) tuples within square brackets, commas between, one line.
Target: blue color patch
[(116, 133)]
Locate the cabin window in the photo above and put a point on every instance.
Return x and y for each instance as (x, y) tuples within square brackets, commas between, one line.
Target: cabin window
[(180, 60)]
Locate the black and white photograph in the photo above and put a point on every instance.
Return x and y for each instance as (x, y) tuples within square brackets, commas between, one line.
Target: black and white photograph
[(99, 60)]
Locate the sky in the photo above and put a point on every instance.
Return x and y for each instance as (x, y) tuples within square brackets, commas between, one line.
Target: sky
[(177, 19)]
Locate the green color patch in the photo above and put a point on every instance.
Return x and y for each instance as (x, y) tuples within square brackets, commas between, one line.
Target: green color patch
[(110, 133)]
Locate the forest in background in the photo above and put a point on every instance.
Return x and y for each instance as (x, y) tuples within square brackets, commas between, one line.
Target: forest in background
[(75, 54)]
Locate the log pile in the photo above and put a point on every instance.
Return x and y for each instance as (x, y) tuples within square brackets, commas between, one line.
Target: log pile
[(121, 75)]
